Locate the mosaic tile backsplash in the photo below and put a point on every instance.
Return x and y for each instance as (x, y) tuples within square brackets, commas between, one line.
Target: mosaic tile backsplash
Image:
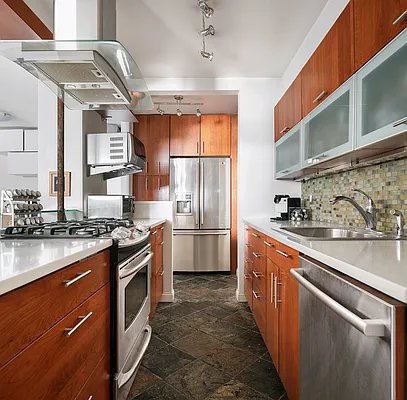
[(386, 183)]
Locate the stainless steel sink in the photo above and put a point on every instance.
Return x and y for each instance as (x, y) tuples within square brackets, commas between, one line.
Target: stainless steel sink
[(326, 233)]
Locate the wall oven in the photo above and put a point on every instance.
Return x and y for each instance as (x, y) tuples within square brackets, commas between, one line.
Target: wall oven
[(133, 332)]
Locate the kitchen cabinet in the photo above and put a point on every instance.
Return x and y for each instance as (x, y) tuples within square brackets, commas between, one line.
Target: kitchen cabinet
[(151, 187), (215, 135), (157, 269), (36, 326), (288, 152), (381, 91), (331, 64), (11, 140), (30, 140), (335, 115), (377, 22), (287, 112), (185, 135)]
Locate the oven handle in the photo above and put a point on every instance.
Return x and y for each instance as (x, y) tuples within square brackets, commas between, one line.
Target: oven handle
[(128, 272), (126, 376)]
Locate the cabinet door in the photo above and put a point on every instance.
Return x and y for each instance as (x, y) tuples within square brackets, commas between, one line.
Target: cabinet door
[(215, 135), (288, 108), (328, 130), (376, 23), (158, 145), (140, 187), (331, 64), (185, 135), (272, 312), (381, 92), (151, 187)]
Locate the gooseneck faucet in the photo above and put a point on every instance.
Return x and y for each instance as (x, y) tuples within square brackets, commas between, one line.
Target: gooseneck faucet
[(368, 214)]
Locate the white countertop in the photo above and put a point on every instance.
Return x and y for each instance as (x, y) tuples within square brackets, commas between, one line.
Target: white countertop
[(381, 264), (23, 261), (150, 222)]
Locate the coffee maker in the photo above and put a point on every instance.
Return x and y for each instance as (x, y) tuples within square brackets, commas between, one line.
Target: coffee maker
[(284, 203)]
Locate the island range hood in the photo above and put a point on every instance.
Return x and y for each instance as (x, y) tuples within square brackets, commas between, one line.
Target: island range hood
[(85, 71)]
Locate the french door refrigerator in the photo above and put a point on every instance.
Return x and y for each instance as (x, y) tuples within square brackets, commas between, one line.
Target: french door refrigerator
[(200, 192)]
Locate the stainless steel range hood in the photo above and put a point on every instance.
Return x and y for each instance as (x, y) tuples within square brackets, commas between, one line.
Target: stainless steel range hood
[(85, 74)]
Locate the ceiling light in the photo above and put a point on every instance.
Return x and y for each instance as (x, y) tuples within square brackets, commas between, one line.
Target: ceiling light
[(160, 110), (179, 112), (198, 112), (207, 55), (4, 116), (206, 10), (210, 30)]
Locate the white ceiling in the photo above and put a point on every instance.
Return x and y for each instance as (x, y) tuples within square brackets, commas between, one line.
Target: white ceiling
[(254, 38)]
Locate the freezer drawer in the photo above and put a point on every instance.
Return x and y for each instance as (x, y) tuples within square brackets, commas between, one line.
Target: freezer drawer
[(201, 251)]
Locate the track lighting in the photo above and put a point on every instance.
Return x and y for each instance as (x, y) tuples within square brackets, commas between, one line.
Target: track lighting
[(198, 112), (160, 110), (207, 55), (179, 112), (206, 10), (210, 30)]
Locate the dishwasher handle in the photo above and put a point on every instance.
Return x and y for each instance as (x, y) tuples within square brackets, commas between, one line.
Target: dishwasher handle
[(369, 327)]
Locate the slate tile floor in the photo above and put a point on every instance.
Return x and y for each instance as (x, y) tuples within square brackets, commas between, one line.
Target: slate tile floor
[(206, 346)]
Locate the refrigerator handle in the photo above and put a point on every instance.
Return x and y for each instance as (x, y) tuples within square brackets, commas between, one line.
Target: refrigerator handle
[(202, 205), (195, 200)]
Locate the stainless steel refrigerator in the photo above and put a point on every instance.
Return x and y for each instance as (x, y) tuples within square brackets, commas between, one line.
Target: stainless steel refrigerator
[(200, 192)]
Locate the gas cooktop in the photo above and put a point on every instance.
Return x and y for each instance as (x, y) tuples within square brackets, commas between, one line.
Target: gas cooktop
[(90, 228)]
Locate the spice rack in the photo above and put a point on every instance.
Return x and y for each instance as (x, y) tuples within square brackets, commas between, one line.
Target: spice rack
[(20, 207)]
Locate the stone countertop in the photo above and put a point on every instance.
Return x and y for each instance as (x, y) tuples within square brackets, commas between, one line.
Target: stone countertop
[(150, 222), (381, 264), (25, 260)]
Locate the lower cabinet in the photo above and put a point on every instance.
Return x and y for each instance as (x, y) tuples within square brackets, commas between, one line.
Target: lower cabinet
[(157, 270), (274, 299)]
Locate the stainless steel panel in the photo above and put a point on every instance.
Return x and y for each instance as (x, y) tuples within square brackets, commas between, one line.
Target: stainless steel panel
[(184, 182), (110, 206), (201, 250), (215, 193), (337, 361)]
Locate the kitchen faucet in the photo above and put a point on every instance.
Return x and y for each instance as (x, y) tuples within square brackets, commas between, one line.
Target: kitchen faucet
[(368, 214), (399, 223)]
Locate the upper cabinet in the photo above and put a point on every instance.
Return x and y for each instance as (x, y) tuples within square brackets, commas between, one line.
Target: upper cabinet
[(288, 110), (185, 135), (331, 64), (215, 135), (154, 132), (382, 95), (376, 23)]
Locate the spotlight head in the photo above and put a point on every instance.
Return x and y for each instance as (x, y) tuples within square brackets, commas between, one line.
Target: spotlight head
[(207, 11), (179, 112), (210, 30), (198, 112), (160, 110), (207, 55)]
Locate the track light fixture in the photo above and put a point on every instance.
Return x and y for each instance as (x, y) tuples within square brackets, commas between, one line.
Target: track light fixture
[(179, 112), (206, 10), (198, 112), (210, 30), (207, 55), (160, 110)]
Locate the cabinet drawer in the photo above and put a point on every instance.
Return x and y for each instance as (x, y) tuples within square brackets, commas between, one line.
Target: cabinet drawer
[(57, 366), (257, 242), (271, 245), (36, 307), (259, 279), (98, 385), (259, 309)]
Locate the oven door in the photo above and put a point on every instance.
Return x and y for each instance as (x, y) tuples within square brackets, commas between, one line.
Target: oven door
[(133, 309)]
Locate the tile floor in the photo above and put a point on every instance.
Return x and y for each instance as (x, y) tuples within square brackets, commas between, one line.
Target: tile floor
[(206, 346)]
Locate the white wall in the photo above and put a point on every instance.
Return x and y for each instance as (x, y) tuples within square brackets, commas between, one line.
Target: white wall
[(256, 185)]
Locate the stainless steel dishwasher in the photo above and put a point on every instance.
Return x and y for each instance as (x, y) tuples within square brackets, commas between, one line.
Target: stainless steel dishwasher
[(347, 337)]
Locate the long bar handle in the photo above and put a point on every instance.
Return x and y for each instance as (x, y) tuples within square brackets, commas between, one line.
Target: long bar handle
[(268, 244), (285, 129), (369, 327), (71, 331), (320, 96), (195, 198), (125, 273), (400, 17), (272, 288), (200, 234), (202, 192), (286, 255), (276, 301), (400, 122), (255, 235), (78, 277)]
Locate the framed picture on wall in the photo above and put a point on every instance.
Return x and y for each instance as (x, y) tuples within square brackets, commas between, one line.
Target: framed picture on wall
[(53, 183)]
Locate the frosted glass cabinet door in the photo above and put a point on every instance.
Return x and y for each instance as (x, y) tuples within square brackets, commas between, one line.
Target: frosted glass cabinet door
[(288, 152), (382, 94), (328, 130)]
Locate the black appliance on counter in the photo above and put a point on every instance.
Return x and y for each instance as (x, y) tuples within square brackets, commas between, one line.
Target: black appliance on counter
[(283, 204)]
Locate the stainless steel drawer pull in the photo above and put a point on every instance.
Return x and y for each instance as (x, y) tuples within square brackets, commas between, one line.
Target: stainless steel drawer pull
[(320, 96), (154, 233), (71, 331), (255, 235), (268, 244), (285, 129), (162, 228), (162, 273), (272, 288), (257, 274), (400, 122), (161, 243), (283, 254), (246, 276), (78, 277), (369, 327), (256, 255), (256, 295), (90, 398), (400, 17)]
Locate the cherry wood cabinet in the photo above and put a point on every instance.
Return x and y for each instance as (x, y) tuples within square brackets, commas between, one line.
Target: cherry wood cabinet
[(331, 64), (185, 135), (287, 112), (376, 23), (157, 270), (151, 187), (51, 359), (215, 135)]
